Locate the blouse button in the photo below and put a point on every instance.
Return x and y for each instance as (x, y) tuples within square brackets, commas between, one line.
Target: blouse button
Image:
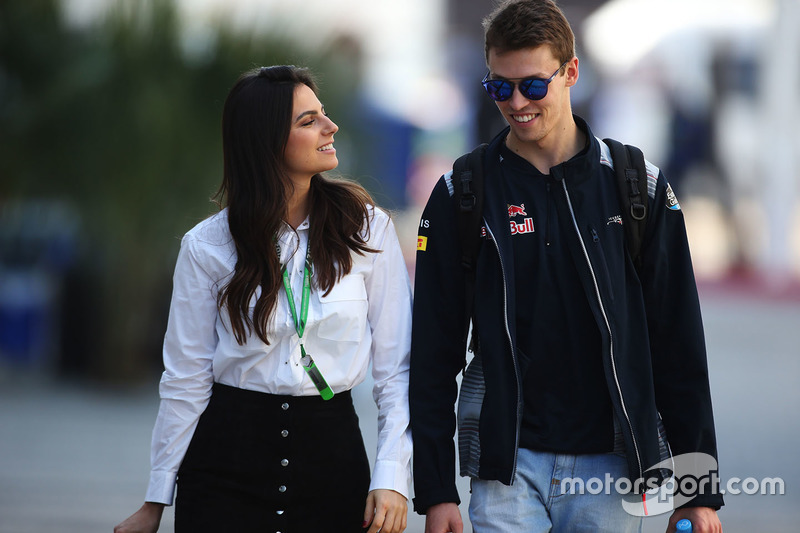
[(279, 512), (282, 488), (285, 406), (284, 462), (285, 433)]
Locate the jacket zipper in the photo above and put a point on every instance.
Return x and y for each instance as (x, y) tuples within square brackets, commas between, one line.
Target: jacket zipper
[(608, 326), (510, 343)]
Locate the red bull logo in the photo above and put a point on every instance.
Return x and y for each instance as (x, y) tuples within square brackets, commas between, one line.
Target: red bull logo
[(514, 210), (525, 227)]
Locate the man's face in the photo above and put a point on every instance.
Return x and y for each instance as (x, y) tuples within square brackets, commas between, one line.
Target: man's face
[(534, 121)]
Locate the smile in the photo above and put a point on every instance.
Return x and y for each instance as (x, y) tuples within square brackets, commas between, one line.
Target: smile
[(325, 148), (523, 118)]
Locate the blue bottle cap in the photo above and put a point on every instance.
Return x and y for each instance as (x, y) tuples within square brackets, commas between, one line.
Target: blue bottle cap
[(683, 526)]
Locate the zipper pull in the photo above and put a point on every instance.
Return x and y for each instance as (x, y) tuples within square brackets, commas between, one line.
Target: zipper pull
[(595, 236)]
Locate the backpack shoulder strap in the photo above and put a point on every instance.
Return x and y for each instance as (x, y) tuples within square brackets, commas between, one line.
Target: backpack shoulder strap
[(631, 175), (468, 179), (468, 191)]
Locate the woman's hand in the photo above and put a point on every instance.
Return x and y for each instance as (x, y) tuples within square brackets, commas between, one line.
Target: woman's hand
[(387, 511), (145, 520)]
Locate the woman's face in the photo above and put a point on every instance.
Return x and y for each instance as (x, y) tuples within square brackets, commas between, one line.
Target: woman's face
[(309, 149)]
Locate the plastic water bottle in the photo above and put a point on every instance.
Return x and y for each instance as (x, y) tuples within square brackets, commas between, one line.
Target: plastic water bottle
[(683, 526)]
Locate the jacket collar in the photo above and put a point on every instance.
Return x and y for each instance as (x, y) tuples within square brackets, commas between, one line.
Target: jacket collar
[(579, 168)]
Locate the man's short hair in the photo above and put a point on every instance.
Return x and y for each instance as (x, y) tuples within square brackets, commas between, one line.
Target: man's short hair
[(520, 24)]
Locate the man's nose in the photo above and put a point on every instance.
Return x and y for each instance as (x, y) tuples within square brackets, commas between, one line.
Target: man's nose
[(517, 100)]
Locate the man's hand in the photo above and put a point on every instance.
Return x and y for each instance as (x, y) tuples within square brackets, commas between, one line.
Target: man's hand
[(386, 510), (703, 519), (145, 520), (444, 518)]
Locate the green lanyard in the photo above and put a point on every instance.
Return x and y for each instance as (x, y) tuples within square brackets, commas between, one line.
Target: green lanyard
[(300, 323)]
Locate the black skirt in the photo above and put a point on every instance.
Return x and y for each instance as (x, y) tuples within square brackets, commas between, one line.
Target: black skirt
[(269, 463)]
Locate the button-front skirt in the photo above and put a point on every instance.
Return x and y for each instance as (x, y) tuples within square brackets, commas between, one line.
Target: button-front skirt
[(263, 462)]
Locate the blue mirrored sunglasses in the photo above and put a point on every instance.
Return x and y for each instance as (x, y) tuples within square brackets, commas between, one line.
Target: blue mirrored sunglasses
[(531, 88)]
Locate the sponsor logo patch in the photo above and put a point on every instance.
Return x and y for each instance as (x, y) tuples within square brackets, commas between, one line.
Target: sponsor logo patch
[(616, 219), (672, 200), (422, 243), (514, 210), (525, 227)]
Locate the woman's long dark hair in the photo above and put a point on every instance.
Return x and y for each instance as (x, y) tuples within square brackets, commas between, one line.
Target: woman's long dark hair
[(255, 188)]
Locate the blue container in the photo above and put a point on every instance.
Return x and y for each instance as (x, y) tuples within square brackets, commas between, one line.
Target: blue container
[(683, 526)]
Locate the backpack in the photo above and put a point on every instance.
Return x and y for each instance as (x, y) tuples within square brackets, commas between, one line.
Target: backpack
[(468, 178)]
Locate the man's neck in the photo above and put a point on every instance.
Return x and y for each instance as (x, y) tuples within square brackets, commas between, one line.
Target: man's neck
[(559, 146)]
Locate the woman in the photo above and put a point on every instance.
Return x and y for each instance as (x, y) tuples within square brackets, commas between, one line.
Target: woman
[(281, 302)]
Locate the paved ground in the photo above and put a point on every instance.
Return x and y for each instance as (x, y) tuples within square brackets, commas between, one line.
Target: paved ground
[(74, 458)]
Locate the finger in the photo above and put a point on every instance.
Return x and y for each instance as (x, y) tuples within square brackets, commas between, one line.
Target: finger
[(369, 510), (377, 523), (376, 518), (389, 522), (399, 523), (396, 516), (400, 518)]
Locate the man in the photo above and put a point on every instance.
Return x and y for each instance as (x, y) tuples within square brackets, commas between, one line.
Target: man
[(583, 361)]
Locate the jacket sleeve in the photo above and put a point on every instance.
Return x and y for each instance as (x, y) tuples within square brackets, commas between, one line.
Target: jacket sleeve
[(437, 351), (677, 341)]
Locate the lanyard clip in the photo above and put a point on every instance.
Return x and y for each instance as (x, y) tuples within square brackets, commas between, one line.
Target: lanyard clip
[(316, 376)]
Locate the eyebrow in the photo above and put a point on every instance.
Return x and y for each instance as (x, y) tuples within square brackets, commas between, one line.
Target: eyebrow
[(307, 113), (541, 75), (493, 76)]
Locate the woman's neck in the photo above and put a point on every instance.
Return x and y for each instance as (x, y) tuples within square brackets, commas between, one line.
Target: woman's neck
[(298, 206)]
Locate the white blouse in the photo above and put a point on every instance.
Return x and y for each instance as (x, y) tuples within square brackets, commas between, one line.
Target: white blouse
[(365, 319)]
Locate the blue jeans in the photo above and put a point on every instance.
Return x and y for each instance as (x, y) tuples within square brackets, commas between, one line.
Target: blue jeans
[(547, 496)]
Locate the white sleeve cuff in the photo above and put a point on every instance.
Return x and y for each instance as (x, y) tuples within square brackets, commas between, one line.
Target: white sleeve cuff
[(162, 487), (391, 475)]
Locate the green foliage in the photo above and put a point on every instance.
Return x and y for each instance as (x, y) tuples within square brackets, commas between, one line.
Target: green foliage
[(121, 120)]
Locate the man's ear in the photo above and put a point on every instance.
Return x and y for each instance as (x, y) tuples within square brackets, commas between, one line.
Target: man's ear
[(571, 72)]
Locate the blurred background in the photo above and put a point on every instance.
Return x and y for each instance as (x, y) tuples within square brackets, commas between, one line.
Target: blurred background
[(110, 150)]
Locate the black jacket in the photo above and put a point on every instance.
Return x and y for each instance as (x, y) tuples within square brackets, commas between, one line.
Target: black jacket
[(653, 346)]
